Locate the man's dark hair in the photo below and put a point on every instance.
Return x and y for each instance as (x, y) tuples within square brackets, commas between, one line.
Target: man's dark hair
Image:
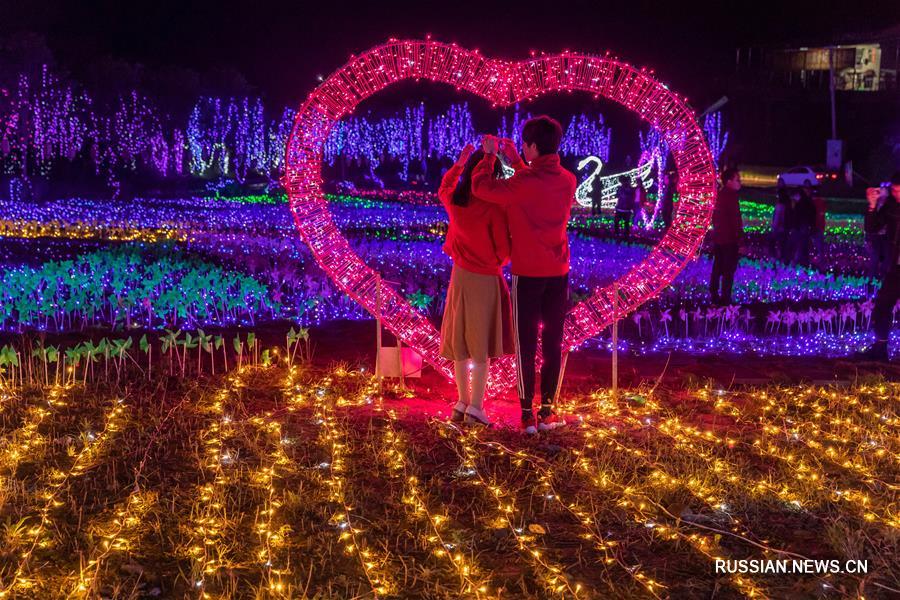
[(729, 174), (895, 178), (543, 131)]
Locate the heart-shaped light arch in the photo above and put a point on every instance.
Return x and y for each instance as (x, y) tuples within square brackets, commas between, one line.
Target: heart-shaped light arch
[(502, 83)]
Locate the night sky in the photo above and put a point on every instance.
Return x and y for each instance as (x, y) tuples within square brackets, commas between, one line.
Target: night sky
[(280, 47)]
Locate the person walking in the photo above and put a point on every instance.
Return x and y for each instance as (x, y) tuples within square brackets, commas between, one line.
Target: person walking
[(804, 220), (883, 214), (538, 201), (780, 226), (668, 198), (625, 199), (818, 229), (727, 237), (878, 245), (477, 323)]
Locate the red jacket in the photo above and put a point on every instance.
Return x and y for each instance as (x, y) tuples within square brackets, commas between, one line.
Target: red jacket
[(727, 224), (819, 203), (478, 236), (538, 201)]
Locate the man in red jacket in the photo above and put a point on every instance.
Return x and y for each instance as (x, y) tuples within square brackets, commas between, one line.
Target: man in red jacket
[(727, 237), (538, 200)]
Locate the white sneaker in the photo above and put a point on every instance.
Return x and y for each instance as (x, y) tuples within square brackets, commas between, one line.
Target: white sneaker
[(528, 426), (476, 416)]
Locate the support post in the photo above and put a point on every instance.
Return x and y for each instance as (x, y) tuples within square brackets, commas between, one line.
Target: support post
[(615, 342), (378, 372), (831, 92)]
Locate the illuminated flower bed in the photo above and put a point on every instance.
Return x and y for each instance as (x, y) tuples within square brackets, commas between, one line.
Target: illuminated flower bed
[(130, 288), (251, 241)]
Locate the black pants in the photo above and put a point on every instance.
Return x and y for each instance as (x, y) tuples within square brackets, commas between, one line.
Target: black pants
[(539, 300), (725, 261), (885, 299), (625, 217), (800, 238)]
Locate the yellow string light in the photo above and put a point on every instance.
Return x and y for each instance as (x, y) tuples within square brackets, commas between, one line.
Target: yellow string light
[(334, 440), (87, 231), (207, 546), (26, 442), (94, 446), (643, 509), (394, 455), (550, 575), (586, 518), (113, 538)]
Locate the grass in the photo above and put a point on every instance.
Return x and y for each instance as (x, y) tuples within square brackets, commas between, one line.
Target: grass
[(276, 482)]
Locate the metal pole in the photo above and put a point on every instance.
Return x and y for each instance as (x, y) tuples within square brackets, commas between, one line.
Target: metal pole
[(378, 334), (400, 363), (831, 92), (615, 341)]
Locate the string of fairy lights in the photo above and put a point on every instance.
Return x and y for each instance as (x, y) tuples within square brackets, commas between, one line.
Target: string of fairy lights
[(270, 526), (821, 442), (712, 496), (506, 513), (113, 537), (28, 440), (49, 120), (614, 479), (643, 510), (813, 482), (333, 439), (473, 581), (34, 230), (610, 549), (806, 473), (412, 139), (207, 547), (94, 445), (119, 534)]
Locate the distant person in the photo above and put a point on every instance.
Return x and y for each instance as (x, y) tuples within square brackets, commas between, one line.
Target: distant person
[(803, 223), (818, 229), (646, 207), (883, 214), (780, 225), (538, 200), (727, 237), (596, 199), (477, 323), (878, 246), (624, 215), (667, 198)]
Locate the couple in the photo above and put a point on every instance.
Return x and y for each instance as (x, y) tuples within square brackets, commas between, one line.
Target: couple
[(522, 219)]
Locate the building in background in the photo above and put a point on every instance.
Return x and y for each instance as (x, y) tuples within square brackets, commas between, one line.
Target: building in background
[(783, 111)]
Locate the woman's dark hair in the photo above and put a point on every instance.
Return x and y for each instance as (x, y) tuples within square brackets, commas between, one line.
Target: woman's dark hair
[(543, 131), (463, 192)]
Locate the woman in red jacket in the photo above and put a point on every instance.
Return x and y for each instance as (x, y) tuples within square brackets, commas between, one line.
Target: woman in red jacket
[(477, 323)]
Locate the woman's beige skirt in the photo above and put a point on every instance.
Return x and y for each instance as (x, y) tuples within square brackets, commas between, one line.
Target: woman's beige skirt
[(477, 317)]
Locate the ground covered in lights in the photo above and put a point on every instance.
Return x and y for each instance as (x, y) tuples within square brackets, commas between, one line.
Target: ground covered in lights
[(273, 482)]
